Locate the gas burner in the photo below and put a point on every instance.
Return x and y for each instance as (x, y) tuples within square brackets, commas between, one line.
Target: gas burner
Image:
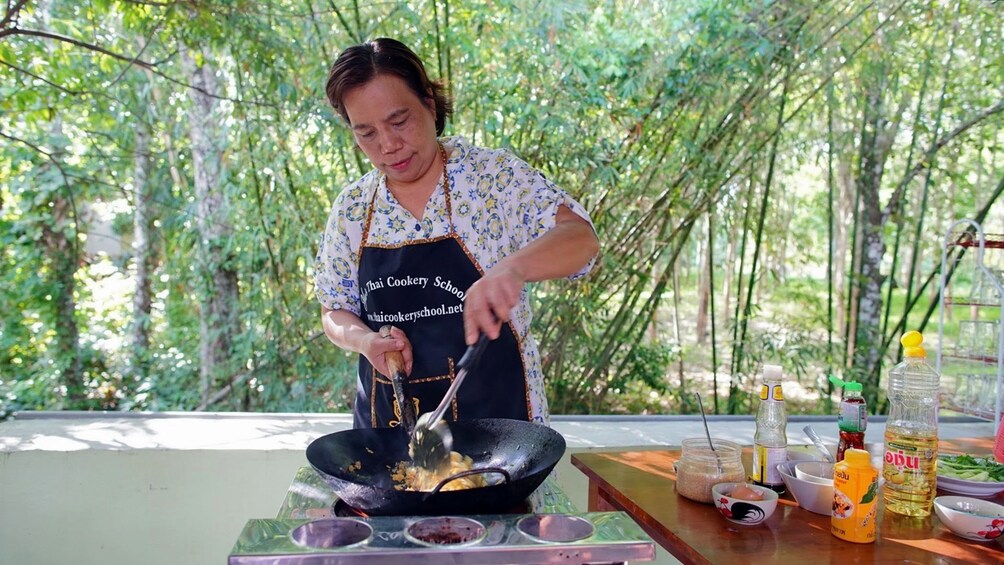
[(332, 533), (555, 527), (445, 530)]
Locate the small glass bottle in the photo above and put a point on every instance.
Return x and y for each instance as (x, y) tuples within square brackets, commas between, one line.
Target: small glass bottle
[(911, 432), (853, 417), (770, 443), (700, 468)]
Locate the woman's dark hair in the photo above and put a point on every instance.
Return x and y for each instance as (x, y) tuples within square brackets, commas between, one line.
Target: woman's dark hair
[(358, 64)]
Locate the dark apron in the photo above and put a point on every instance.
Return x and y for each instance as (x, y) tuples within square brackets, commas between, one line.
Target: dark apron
[(420, 287)]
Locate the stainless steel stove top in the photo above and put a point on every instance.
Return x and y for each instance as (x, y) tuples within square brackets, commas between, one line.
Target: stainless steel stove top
[(306, 531)]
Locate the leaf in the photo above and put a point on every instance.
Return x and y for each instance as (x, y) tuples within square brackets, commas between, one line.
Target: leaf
[(871, 492)]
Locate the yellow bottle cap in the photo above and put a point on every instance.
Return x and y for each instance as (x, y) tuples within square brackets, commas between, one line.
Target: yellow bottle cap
[(911, 342), (857, 458)]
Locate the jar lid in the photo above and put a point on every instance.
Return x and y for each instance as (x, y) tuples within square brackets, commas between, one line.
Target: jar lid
[(698, 447)]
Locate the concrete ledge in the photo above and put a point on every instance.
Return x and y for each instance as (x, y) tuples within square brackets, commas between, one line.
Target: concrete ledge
[(76, 431)]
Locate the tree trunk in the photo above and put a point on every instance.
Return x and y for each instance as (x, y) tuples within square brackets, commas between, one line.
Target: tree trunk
[(218, 321), (877, 139), (678, 332), (62, 252), (142, 253), (59, 239), (843, 221), (703, 289)]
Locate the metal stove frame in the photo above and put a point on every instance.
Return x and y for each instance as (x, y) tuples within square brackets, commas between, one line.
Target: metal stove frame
[(615, 537)]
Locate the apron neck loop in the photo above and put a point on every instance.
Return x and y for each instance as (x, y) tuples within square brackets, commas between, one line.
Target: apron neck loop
[(446, 192)]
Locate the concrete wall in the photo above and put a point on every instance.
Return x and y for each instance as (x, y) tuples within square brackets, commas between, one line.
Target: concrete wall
[(148, 506)]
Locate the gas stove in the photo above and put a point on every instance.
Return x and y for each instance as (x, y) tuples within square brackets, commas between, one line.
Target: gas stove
[(311, 527)]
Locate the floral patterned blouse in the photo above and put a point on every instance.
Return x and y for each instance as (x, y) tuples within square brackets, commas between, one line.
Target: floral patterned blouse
[(500, 204)]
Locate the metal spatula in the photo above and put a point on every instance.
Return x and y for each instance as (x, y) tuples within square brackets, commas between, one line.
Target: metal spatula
[(432, 441)]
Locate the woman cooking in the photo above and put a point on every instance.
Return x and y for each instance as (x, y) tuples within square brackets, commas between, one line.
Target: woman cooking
[(438, 241)]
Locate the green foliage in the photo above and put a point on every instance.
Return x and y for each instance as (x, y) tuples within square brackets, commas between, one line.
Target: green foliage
[(650, 113)]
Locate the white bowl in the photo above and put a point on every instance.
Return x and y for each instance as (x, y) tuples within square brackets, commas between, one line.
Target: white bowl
[(971, 518), (810, 453), (814, 497), (815, 472), (745, 512), (804, 453)]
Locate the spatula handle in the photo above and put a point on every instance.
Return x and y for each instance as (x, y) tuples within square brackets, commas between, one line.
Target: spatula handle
[(395, 366), (469, 359)]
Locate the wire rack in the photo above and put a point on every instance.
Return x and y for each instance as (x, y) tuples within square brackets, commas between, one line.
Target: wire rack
[(971, 356)]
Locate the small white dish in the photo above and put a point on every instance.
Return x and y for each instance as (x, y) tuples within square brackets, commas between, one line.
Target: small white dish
[(745, 512), (979, 489), (815, 472), (810, 453), (970, 518)]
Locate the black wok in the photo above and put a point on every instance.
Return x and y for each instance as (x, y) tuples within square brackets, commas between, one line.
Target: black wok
[(357, 465)]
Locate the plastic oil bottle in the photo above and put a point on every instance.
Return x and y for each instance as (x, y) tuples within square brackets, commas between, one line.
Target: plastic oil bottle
[(855, 493), (853, 417), (911, 436), (770, 443)]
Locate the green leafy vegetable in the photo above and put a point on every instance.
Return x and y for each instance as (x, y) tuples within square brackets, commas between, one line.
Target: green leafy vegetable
[(967, 467)]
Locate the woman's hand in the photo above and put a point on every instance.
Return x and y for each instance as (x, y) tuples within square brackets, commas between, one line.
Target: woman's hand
[(560, 252), (490, 301), (375, 347), (346, 330)]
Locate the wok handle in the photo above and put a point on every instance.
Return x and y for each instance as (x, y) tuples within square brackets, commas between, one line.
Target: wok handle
[(395, 365), (505, 475)]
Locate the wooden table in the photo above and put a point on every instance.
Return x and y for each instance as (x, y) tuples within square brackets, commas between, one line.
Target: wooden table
[(643, 484)]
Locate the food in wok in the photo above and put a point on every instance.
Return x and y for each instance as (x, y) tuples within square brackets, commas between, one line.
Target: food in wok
[(409, 476)]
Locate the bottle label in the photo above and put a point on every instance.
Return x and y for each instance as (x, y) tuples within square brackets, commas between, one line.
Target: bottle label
[(765, 461), (910, 472), (853, 417), (855, 493), (906, 458), (772, 392)]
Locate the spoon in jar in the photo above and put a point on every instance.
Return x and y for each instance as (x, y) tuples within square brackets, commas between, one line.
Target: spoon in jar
[(707, 432)]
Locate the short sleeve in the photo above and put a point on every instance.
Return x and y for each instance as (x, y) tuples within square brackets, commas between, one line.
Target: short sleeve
[(535, 208), (336, 278)]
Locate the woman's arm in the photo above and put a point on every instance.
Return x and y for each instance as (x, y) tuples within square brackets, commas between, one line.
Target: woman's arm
[(560, 252), (347, 331)]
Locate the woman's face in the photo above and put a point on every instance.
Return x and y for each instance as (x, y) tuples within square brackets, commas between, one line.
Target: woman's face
[(394, 127)]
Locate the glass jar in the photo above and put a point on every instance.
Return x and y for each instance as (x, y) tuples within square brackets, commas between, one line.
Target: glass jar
[(698, 468)]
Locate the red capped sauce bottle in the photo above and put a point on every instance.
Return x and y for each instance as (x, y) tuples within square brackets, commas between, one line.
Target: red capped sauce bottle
[(853, 417)]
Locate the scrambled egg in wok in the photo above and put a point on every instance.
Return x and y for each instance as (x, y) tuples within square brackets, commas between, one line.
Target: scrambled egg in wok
[(408, 476)]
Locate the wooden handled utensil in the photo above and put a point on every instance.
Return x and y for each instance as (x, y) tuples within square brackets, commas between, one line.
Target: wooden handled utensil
[(395, 365)]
